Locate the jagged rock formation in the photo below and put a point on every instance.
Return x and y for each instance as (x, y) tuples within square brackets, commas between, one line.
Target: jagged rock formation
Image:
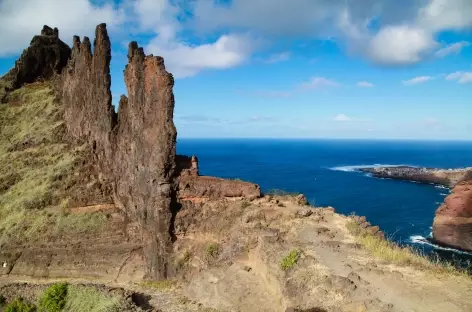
[(452, 224), (144, 154), (46, 56), (135, 149)]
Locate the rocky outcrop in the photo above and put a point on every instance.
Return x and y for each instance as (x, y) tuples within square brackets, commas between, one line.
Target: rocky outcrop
[(446, 177), (452, 224), (46, 56), (144, 154)]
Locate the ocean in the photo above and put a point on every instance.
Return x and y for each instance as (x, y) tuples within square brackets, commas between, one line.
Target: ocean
[(325, 171)]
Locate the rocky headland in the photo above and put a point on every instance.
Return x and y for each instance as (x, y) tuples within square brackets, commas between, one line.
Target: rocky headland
[(452, 226), (93, 196), (445, 177)]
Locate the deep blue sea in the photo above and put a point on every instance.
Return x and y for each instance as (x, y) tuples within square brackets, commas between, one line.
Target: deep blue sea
[(323, 170)]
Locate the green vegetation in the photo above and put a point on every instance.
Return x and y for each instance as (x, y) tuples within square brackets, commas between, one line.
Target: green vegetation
[(212, 251), (245, 204), (89, 299), (277, 192), (53, 298), (37, 168), (390, 252), (290, 260), (18, 305), (160, 285)]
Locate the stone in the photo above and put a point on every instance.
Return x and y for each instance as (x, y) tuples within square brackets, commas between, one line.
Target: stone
[(46, 56), (452, 225), (301, 200)]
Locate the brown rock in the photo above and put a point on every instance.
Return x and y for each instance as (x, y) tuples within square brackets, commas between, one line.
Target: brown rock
[(452, 225), (144, 154), (46, 56), (301, 200)]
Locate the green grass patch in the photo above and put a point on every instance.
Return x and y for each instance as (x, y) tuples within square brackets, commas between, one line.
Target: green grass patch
[(390, 252), (89, 299), (160, 285), (53, 299), (18, 305), (212, 251), (290, 260)]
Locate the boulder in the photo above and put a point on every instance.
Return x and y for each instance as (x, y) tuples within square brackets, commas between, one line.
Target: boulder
[(452, 225)]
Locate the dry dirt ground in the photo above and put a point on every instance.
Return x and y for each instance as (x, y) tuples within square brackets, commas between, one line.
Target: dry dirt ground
[(273, 254)]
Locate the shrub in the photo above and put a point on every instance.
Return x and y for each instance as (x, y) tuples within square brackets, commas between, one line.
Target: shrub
[(245, 204), (18, 305), (290, 260), (212, 251), (89, 299), (53, 298), (2, 301)]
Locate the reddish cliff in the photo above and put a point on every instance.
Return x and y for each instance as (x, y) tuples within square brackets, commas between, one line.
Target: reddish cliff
[(452, 224), (144, 154)]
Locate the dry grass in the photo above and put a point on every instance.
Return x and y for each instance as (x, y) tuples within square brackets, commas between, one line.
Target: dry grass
[(162, 285), (390, 252), (89, 299), (36, 167)]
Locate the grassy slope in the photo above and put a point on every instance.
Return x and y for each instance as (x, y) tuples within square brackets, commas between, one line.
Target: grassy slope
[(36, 168)]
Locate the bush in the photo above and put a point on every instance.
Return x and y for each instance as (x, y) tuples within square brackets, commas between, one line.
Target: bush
[(245, 204), (53, 298), (290, 260), (212, 251), (18, 305)]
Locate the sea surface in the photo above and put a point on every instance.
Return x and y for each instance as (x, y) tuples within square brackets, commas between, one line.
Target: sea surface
[(325, 171)]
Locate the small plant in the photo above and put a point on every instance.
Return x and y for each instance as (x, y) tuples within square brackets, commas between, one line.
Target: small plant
[(53, 298), (212, 251), (290, 260), (183, 261), (245, 204), (277, 192), (159, 285), (2, 301), (18, 305)]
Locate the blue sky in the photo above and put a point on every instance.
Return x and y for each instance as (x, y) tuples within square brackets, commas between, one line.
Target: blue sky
[(280, 68)]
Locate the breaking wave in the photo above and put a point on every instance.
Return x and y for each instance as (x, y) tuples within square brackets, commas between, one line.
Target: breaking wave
[(418, 239), (357, 167)]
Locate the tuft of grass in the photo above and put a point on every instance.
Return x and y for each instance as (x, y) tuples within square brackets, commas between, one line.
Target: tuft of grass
[(390, 252), (212, 251), (53, 299), (245, 204), (184, 260), (161, 285), (89, 299), (290, 260), (18, 305)]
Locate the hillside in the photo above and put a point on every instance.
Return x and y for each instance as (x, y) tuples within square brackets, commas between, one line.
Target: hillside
[(99, 199)]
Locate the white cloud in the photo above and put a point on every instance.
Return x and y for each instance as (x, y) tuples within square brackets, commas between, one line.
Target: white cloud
[(185, 60), (319, 83), (454, 48), (401, 45), (461, 77), (342, 118), (21, 20), (280, 57), (416, 80), (446, 14), (365, 84)]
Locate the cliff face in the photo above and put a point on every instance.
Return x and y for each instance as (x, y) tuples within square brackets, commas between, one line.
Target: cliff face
[(144, 154), (452, 224)]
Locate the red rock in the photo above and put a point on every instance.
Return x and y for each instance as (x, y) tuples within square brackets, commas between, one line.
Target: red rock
[(452, 225)]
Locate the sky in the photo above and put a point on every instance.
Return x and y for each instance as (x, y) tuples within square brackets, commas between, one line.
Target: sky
[(378, 69)]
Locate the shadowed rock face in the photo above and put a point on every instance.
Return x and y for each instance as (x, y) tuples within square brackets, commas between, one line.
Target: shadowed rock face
[(46, 56), (452, 224), (144, 154)]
